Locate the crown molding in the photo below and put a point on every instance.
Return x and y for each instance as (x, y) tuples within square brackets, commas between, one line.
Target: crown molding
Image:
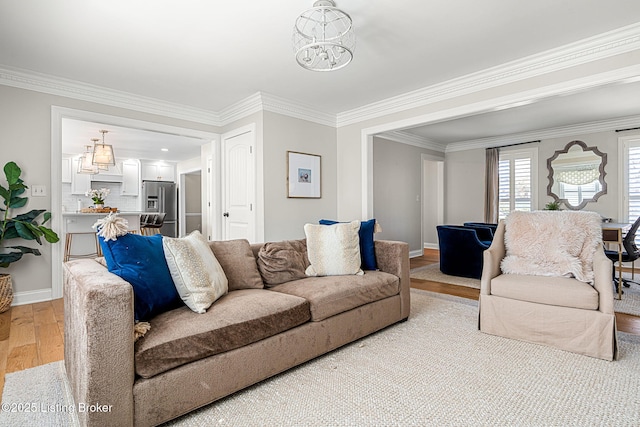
[(414, 140), (38, 82), (602, 46), (261, 101), (558, 132)]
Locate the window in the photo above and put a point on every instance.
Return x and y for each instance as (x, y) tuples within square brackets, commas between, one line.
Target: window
[(518, 178), (631, 178)]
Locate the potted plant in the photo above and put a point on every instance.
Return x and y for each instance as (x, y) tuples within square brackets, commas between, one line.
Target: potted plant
[(552, 206), (98, 196), (24, 226)]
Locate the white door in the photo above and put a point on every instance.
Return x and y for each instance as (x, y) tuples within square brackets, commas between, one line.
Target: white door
[(239, 186)]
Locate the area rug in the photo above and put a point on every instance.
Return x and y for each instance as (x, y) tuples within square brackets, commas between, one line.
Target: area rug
[(436, 369), (630, 303)]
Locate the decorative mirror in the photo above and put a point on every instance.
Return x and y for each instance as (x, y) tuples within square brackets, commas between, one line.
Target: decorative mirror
[(576, 175)]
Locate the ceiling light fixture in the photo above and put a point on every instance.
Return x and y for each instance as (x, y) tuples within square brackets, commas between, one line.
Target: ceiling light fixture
[(84, 162), (103, 153), (323, 37)]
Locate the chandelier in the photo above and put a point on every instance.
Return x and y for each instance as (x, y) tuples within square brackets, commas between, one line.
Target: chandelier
[(323, 37), (103, 154)]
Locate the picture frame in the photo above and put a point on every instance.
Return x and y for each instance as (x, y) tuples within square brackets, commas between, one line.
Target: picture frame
[(304, 175)]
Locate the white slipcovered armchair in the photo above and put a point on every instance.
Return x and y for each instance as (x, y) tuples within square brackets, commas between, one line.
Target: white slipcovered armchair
[(557, 310)]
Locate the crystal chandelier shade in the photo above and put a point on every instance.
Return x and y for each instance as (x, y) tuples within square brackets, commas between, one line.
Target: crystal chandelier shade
[(323, 37)]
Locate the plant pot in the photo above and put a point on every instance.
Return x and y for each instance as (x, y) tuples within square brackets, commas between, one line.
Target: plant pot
[(99, 205), (6, 292)]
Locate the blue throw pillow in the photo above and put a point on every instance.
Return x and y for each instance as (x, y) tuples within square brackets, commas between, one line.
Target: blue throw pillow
[(140, 261), (367, 249)]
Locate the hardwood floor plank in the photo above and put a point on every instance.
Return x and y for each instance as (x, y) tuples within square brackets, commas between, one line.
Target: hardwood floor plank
[(49, 343), (22, 357), (22, 329), (43, 313), (5, 325)]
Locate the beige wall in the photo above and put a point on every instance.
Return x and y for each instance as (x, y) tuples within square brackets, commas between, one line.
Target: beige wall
[(397, 191), (285, 217)]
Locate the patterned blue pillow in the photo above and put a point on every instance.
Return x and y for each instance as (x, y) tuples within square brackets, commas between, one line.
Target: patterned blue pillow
[(367, 249), (140, 261)]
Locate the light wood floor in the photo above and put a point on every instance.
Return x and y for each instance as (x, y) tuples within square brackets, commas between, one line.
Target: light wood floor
[(33, 334)]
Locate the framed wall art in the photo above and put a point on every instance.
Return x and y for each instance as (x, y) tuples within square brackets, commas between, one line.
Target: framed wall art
[(303, 175)]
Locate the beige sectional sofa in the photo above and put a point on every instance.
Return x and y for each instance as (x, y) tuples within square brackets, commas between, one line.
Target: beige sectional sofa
[(188, 360)]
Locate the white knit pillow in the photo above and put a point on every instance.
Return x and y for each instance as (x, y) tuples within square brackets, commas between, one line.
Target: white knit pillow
[(196, 273), (333, 250)]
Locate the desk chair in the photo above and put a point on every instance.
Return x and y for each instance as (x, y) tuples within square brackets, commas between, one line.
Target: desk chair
[(630, 254)]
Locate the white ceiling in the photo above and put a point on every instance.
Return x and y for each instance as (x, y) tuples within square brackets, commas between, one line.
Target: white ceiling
[(211, 54)]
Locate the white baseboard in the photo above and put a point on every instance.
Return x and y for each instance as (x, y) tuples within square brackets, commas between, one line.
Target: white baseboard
[(416, 253), (430, 245), (30, 297)]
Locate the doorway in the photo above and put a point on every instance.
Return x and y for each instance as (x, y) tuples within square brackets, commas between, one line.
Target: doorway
[(192, 189)]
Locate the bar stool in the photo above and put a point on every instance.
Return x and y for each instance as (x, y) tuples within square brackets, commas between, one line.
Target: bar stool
[(68, 242), (152, 224)]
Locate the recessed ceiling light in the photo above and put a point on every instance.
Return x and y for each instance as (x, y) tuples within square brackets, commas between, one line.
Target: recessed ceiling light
[(164, 149)]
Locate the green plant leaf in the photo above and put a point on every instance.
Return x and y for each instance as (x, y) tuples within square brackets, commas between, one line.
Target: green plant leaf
[(12, 172), (47, 217), (49, 234), (4, 193), (29, 216), (18, 202), (24, 231)]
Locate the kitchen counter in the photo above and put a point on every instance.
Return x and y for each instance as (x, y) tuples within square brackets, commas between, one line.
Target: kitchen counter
[(71, 214)]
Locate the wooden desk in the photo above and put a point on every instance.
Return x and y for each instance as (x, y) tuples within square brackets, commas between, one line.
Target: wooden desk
[(612, 233)]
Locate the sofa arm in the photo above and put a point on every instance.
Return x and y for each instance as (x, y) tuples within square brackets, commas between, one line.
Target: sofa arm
[(492, 258), (602, 282), (393, 258), (98, 342)]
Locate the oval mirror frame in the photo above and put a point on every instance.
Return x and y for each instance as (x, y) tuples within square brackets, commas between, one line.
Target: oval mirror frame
[(602, 173)]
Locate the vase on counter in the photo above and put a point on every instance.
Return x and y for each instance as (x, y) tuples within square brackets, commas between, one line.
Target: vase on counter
[(99, 205)]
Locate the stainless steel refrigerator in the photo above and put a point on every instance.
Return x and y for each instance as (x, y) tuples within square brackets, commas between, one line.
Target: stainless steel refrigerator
[(162, 196)]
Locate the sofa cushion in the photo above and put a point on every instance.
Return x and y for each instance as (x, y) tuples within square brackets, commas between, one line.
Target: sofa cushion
[(281, 262), (333, 249), (140, 261), (238, 263), (237, 319), (367, 247), (560, 291), (332, 295), (196, 272)]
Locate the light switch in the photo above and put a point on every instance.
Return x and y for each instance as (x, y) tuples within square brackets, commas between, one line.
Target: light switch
[(38, 190)]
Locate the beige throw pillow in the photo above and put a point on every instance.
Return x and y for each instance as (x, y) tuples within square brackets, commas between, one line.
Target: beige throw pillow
[(195, 271), (333, 250)]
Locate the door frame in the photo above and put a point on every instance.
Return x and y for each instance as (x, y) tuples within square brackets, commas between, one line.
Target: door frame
[(57, 115)]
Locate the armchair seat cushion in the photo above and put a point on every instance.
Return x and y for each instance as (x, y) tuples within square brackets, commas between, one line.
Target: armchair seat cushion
[(237, 319), (559, 291)]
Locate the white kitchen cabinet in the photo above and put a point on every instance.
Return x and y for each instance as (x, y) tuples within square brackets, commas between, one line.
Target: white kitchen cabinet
[(130, 178), (80, 182), (67, 167), (158, 172), (112, 174)]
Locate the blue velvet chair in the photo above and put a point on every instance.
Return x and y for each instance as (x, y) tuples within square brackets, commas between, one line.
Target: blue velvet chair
[(483, 225), (461, 249)]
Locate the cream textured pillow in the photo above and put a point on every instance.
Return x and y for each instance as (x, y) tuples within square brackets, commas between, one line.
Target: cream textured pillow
[(195, 271), (333, 250)]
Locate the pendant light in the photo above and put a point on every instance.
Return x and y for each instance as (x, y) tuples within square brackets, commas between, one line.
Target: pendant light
[(84, 162), (103, 153)]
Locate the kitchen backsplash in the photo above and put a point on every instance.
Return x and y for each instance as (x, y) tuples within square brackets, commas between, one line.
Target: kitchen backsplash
[(114, 199)]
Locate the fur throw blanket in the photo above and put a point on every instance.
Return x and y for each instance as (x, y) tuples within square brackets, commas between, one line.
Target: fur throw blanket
[(552, 243)]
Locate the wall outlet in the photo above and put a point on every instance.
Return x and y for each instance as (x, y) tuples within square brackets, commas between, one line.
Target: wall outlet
[(38, 191)]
